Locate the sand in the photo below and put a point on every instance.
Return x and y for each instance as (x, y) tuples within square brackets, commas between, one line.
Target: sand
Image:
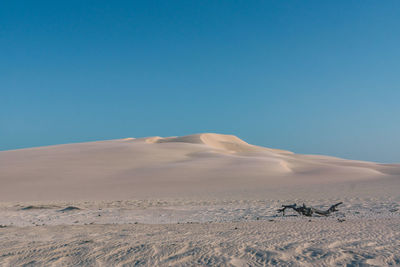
[(204, 199)]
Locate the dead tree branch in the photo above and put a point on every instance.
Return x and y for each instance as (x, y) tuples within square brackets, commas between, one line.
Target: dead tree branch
[(309, 211)]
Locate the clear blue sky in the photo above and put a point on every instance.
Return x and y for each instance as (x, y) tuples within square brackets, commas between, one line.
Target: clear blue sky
[(319, 77)]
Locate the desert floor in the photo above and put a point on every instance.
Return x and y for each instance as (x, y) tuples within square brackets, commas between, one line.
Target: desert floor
[(214, 232)]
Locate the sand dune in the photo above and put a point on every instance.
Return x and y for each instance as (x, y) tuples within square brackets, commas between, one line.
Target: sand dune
[(174, 166)]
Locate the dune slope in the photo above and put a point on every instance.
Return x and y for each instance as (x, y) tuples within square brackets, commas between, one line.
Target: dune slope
[(174, 166)]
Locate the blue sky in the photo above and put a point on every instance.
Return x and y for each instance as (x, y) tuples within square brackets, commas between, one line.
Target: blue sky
[(320, 77)]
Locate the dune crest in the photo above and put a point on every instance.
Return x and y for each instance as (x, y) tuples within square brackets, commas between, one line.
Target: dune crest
[(229, 143), (224, 142)]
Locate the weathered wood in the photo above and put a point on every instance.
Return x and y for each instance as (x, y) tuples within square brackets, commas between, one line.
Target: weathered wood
[(309, 211)]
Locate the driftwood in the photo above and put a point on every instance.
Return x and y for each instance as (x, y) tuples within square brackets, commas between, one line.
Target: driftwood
[(309, 211)]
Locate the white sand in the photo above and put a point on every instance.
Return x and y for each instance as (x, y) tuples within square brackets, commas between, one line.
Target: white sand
[(196, 165), (188, 194)]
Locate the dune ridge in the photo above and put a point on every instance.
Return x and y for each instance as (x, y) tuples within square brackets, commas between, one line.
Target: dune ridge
[(223, 142)]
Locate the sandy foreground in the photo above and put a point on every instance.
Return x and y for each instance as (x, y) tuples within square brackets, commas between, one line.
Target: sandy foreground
[(199, 200)]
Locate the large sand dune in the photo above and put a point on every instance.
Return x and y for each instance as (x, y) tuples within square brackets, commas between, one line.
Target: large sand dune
[(170, 167)]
